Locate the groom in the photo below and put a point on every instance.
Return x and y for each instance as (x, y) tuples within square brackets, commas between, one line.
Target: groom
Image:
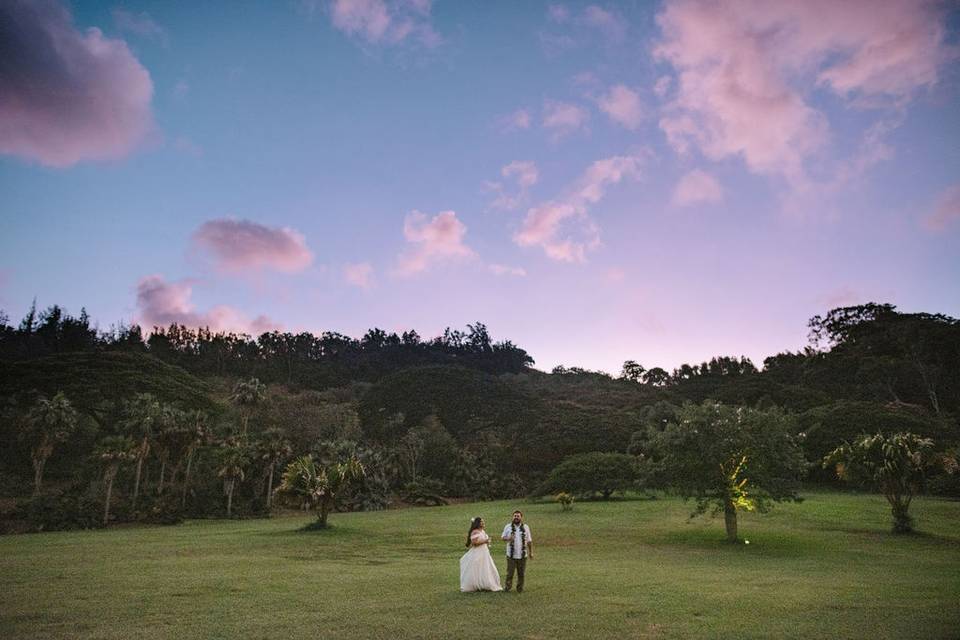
[(519, 549)]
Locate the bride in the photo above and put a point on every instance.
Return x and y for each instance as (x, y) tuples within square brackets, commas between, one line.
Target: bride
[(477, 570)]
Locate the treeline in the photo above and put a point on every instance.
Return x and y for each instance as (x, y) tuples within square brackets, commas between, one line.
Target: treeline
[(330, 359), (458, 415)]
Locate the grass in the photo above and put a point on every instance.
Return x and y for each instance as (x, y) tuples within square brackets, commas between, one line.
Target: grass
[(826, 568)]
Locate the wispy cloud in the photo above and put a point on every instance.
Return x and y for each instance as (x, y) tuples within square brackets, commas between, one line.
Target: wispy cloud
[(623, 106), (946, 211), (563, 118), (697, 187), (516, 121), (67, 96), (359, 275), (384, 23), (563, 227), (431, 241), (524, 174)]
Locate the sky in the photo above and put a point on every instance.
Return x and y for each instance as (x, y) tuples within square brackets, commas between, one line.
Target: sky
[(656, 181)]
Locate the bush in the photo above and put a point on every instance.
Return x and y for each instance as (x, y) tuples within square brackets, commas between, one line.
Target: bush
[(425, 492), (590, 473), (73, 509), (163, 509), (565, 500)]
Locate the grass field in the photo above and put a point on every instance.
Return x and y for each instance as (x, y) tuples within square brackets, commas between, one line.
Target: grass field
[(826, 568)]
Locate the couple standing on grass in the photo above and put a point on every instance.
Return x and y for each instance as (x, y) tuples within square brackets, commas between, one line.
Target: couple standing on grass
[(477, 570)]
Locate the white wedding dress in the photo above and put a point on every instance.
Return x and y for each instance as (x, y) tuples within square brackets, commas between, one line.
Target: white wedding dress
[(477, 570)]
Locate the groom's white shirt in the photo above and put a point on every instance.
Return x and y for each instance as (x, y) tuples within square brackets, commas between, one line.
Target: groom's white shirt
[(517, 551)]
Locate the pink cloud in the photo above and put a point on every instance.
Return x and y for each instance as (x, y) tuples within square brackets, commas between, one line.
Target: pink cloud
[(744, 68), (563, 118), (242, 245), (359, 275), (519, 119), (380, 22), (161, 303), (67, 96), (946, 211), (439, 239), (563, 227), (524, 173), (609, 23), (697, 187), (623, 106)]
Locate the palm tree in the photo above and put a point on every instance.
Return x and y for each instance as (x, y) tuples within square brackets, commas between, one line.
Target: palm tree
[(247, 394), (318, 486), (143, 414), (273, 449), (232, 467), (199, 435), (47, 423), (112, 451)]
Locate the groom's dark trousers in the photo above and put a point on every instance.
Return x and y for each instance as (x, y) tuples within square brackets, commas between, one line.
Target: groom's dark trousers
[(513, 564)]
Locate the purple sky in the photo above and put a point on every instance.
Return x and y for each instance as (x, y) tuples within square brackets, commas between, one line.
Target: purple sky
[(662, 182)]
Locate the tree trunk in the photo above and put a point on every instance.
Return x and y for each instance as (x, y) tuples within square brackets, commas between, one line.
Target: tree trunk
[(186, 480), (270, 487), (324, 511), (229, 487), (730, 520), (163, 471), (38, 464), (141, 455), (111, 474), (902, 522)]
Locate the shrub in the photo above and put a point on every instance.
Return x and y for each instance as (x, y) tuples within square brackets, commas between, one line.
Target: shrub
[(425, 492), (565, 500)]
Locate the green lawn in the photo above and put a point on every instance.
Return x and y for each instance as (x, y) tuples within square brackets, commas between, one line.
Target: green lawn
[(826, 568)]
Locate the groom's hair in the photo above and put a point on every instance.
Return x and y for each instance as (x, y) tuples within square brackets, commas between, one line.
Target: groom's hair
[(518, 511)]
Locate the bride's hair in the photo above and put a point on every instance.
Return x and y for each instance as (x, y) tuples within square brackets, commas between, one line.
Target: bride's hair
[(474, 525)]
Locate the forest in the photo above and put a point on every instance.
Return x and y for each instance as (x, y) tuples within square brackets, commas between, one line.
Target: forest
[(99, 427)]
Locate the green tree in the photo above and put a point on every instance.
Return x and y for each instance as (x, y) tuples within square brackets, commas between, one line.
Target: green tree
[(113, 451), (730, 458), (632, 371), (318, 486), (232, 463), (595, 472), (142, 417), (893, 464), (48, 423), (247, 394), (271, 450)]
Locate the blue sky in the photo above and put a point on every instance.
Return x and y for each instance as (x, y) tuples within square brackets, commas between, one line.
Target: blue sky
[(661, 182)]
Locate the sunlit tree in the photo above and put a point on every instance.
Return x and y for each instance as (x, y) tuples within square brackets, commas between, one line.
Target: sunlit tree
[(730, 458)]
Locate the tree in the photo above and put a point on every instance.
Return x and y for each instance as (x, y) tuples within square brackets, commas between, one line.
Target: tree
[(272, 449), (596, 472), (893, 464), (318, 486), (656, 377), (730, 458), (113, 451), (142, 417), (232, 466), (632, 371), (247, 394), (48, 423)]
